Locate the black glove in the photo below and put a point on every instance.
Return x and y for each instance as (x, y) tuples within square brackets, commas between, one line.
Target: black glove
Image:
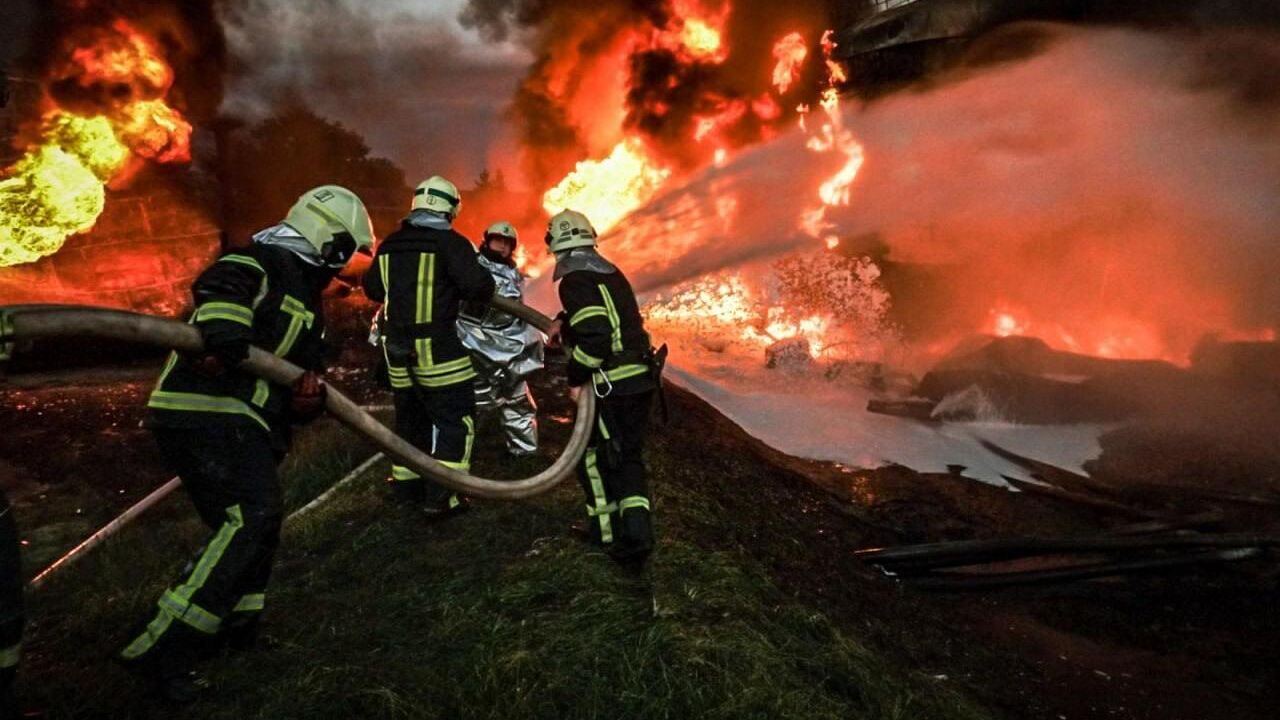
[(307, 402)]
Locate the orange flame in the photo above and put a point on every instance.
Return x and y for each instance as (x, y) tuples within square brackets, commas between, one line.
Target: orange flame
[(57, 189), (790, 52)]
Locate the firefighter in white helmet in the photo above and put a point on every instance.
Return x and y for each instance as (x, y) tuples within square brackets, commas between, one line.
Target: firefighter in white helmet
[(504, 349), (223, 430), (609, 352), (421, 275)]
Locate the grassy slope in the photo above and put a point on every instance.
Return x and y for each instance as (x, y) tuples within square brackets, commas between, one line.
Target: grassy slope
[(501, 612)]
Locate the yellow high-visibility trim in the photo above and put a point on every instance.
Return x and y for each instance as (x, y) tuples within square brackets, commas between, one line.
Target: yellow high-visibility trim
[(604, 429), (384, 270), (622, 372), (299, 316), (634, 501), (443, 368), (444, 380), (459, 466), (587, 359), (253, 602), (597, 494), (194, 402), (614, 320), (9, 656), (189, 613), (426, 287), (400, 472), (176, 604), (243, 260), (224, 311), (588, 312), (471, 438), (261, 391)]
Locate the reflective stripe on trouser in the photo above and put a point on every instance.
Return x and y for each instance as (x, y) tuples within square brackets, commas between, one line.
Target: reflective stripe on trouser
[(612, 472), (11, 610), (439, 421), (230, 475)]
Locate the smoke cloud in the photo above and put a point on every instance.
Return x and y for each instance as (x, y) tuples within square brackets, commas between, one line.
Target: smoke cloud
[(420, 89)]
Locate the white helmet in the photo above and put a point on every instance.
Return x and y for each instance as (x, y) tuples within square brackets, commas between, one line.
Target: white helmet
[(502, 229), (437, 195), (570, 229), (334, 220)]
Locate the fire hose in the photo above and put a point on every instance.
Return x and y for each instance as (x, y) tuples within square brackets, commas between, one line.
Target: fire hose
[(28, 322)]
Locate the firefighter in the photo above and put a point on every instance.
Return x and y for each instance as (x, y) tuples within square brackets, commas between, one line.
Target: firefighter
[(504, 349), (11, 615), (609, 351), (421, 274), (223, 430)]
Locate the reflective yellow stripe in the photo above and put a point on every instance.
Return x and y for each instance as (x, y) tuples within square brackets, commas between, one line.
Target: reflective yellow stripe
[(604, 429), (383, 270), (193, 402), (588, 312), (622, 372), (149, 637), (9, 656), (168, 368), (597, 493), (212, 554), (299, 316), (422, 348), (176, 604), (189, 613), (461, 363), (243, 260), (400, 472), (587, 359), (224, 311), (443, 380), (261, 391), (634, 501), (593, 512), (426, 286), (614, 320), (459, 466), (253, 602), (471, 438)]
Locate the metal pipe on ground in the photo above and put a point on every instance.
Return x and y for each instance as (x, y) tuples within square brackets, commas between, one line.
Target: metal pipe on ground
[(985, 581), (975, 551)]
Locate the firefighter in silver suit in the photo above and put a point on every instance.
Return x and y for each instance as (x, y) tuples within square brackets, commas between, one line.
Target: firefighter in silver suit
[(504, 349)]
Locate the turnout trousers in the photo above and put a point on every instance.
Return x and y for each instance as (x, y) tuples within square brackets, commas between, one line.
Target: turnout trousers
[(230, 474), (11, 615), (613, 475), (441, 422)]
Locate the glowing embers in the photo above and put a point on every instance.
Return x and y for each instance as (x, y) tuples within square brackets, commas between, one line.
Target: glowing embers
[(724, 309), (835, 304), (607, 190), (116, 79)]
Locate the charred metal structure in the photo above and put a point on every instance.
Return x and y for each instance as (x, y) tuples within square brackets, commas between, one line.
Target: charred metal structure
[(907, 41)]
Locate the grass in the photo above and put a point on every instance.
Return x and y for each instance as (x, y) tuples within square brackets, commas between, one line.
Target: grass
[(499, 612)]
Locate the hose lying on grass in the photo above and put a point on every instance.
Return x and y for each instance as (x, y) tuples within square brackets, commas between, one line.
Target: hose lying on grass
[(30, 322)]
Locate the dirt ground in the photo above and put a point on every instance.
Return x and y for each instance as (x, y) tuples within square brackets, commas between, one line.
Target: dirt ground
[(1198, 644)]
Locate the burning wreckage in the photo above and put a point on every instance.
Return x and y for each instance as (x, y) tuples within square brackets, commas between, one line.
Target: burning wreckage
[(812, 244)]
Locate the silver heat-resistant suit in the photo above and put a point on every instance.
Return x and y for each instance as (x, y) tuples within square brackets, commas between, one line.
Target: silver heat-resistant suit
[(504, 351)]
